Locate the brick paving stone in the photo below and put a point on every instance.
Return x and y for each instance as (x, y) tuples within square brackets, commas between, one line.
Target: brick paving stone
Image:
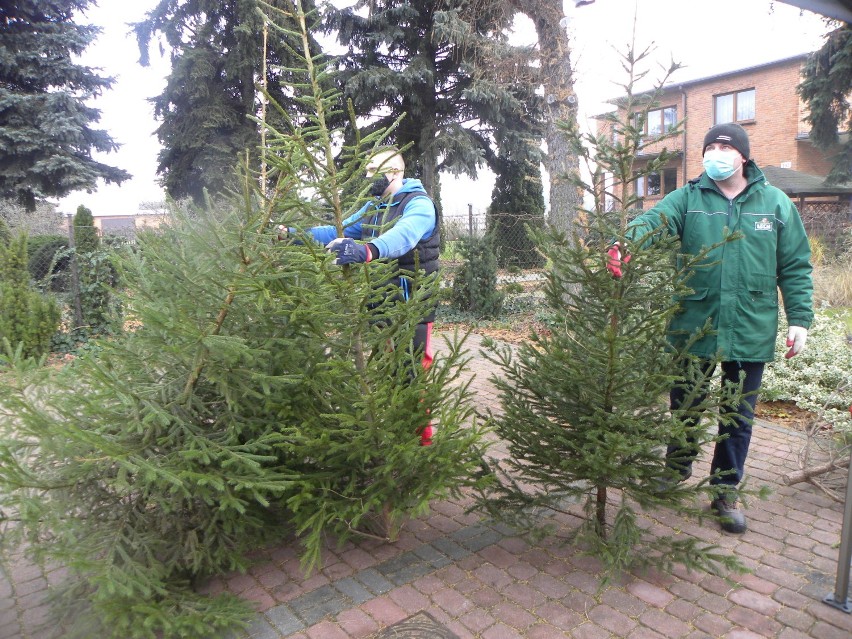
[(241, 583), (743, 633), (580, 601), (753, 620), (327, 630), (408, 598), (549, 586), (755, 601), (450, 548), (513, 615), (559, 616), (664, 623), (793, 618), (590, 630), (337, 570), (477, 620), (523, 594), (452, 602), (822, 630), (485, 597), (650, 594), (498, 556), (583, 581), (260, 628), (10, 631), (384, 611), (491, 575), (792, 633), (514, 545), (830, 614), (404, 569), (374, 581), (641, 632), (684, 610), (259, 598), (712, 624), (686, 590), (623, 601), (357, 623), (501, 631), (272, 578), (611, 619), (544, 631), (428, 584), (432, 556), (522, 571), (358, 558)]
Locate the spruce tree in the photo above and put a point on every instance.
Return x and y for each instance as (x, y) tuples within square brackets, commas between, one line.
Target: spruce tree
[(46, 134), (517, 207), (258, 400), (209, 105), (826, 81), (86, 238), (96, 277), (583, 407), (437, 64)]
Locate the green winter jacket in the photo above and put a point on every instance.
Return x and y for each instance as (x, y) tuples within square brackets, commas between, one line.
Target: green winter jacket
[(738, 289)]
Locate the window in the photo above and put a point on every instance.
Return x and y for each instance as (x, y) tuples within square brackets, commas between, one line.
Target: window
[(654, 184), (669, 180), (734, 107), (648, 185), (658, 122)]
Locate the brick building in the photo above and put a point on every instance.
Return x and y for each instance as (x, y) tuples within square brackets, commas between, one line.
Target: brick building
[(763, 99)]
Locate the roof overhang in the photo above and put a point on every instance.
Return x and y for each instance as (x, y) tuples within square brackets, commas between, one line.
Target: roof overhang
[(837, 9)]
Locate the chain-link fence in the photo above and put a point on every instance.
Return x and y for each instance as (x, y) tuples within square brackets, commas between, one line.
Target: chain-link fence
[(831, 222), (518, 261), (77, 279)]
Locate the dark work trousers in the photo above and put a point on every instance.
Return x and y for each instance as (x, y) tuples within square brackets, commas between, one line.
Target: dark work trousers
[(731, 452)]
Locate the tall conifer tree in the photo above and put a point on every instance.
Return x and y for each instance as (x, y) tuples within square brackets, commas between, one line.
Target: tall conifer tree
[(46, 134), (825, 86), (209, 106), (436, 64)]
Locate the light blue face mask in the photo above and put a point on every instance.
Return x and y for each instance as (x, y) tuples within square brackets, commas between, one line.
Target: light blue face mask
[(719, 165)]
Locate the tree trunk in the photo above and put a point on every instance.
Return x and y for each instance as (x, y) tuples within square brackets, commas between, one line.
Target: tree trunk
[(557, 78)]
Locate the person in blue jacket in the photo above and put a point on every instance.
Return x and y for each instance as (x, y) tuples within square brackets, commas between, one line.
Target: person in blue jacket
[(399, 223)]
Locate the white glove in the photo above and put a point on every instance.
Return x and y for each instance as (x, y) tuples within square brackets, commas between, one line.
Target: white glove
[(796, 338)]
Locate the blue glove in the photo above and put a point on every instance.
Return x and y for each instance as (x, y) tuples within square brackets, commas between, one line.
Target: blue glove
[(348, 251)]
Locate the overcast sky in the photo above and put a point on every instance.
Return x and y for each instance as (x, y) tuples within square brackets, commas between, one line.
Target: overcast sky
[(707, 36)]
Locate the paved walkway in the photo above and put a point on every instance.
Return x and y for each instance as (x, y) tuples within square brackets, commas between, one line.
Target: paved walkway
[(451, 575)]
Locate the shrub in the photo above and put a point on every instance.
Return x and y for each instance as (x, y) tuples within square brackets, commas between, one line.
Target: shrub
[(27, 318), (475, 284), (49, 261), (819, 378)]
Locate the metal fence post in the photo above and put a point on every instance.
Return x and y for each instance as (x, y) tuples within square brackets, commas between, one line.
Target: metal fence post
[(470, 220), (839, 598)]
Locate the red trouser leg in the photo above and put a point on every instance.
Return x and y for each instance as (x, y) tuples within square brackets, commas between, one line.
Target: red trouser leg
[(423, 337)]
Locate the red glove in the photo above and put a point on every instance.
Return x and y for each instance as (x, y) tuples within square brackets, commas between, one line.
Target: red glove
[(615, 260)]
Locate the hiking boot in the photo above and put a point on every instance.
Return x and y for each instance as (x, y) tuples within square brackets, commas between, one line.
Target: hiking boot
[(664, 484), (731, 518)]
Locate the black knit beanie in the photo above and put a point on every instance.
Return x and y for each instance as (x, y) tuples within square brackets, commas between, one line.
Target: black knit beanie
[(729, 133)]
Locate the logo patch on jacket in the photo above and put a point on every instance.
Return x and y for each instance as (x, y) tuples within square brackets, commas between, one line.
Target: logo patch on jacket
[(763, 225)]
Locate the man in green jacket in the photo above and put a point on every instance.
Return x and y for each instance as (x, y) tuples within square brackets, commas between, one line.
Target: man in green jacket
[(737, 289)]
